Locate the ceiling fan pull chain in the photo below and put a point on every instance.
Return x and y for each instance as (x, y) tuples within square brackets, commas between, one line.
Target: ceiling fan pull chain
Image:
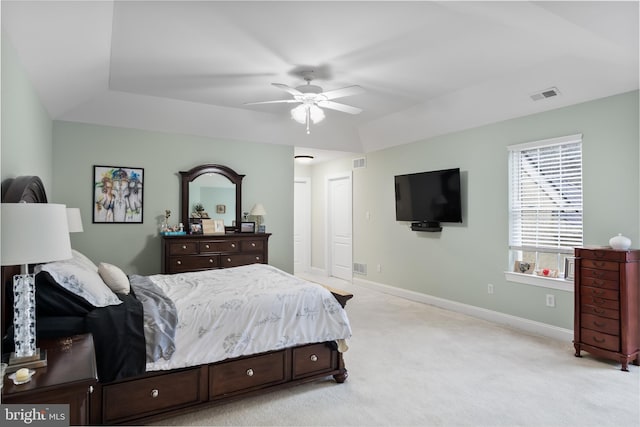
[(308, 119)]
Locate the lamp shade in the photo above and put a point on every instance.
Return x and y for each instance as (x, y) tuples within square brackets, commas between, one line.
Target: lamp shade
[(34, 233), (258, 209), (74, 220)]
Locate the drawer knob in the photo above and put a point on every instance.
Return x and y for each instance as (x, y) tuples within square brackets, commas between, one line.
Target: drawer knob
[(228, 259), (598, 340), (253, 244), (257, 258), (184, 246), (90, 389), (313, 358), (206, 246), (250, 372), (179, 262), (597, 292), (210, 261), (598, 310), (233, 245), (155, 393), (599, 324)]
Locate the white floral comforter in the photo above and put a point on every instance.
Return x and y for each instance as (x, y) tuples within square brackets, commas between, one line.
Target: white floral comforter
[(246, 310)]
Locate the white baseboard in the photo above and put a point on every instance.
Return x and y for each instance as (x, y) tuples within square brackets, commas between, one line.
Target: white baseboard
[(527, 325)]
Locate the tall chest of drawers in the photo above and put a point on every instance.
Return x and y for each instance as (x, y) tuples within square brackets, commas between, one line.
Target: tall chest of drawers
[(181, 254), (607, 300)]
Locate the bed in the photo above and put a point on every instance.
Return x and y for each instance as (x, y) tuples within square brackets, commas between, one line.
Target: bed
[(172, 343)]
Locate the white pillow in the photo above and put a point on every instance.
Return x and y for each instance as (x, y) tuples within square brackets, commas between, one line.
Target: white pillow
[(83, 260), (82, 281), (115, 278)]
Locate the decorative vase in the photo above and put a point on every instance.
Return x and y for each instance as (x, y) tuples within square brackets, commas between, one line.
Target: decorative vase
[(620, 242)]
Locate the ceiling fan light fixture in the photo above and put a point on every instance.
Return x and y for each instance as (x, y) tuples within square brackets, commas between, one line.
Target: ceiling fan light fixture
[(316, 114), (299, 114)]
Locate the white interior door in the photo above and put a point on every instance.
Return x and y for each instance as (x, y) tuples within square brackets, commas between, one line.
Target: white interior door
[(339, 226), (301, 225)]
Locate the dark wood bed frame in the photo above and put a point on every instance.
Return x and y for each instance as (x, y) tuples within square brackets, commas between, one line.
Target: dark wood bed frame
[(161, 394)]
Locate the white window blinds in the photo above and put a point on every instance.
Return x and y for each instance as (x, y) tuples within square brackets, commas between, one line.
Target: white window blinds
[(546, 195)]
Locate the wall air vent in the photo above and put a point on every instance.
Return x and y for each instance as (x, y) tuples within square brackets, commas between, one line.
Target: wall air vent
[(360, 163), (544, 94), (360, 268)]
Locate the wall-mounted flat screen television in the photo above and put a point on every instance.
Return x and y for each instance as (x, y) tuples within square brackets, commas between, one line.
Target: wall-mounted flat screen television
[(432, 196)]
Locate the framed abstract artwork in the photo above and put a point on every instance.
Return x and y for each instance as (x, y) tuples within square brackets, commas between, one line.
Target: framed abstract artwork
[(117, 194)]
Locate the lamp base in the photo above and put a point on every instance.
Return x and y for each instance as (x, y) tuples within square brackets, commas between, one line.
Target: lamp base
[(38, 360)]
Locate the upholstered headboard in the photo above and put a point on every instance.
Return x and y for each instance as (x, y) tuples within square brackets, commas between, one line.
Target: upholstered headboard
[(27, 189)]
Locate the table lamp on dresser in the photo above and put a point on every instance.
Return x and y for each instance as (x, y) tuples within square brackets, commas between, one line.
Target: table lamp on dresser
[(31, 233)]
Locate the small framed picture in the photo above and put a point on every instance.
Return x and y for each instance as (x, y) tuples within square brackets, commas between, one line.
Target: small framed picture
[(247, 227), (221, 209), (218, 226), (569, 268), (524, 267), (195, 226), (262, 228), (208, 226)]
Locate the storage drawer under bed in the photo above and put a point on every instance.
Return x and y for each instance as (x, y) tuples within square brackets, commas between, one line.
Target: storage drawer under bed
[(147, 396), (245, 374)]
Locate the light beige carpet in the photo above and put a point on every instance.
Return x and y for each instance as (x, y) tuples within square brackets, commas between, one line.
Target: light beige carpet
[(412, 364)]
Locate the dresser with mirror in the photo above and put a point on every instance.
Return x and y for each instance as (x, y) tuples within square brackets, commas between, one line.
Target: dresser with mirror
[(212, 186)]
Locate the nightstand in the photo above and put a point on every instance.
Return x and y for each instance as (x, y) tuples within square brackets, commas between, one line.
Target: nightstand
[(68, 378)]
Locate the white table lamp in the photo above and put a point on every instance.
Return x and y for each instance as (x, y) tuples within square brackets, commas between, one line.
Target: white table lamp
[(258, 211), (31, 233), (74, 220)]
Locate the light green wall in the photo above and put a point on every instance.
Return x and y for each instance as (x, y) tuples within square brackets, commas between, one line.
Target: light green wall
[(458, 263), (136, 247), (26, 127)]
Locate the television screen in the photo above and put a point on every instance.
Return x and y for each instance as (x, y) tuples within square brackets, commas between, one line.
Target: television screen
[(429, 196)]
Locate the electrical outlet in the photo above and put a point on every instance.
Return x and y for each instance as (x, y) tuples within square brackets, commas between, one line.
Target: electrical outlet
[(551, 300), (490, 289)]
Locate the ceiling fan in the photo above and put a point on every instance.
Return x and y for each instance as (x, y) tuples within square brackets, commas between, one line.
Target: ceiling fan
[(312, 100)]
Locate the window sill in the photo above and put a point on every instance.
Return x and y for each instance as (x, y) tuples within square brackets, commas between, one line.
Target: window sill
[(545, 282)]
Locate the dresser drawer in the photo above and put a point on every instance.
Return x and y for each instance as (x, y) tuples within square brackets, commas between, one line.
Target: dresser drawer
[(151, 395), (219, 246), (240, 259), (252, 245), (600, 264), (600, 283), (602, 324), (610, 313), (192, 263), (606, 254), (245, 374), (183, 248), (312, 359), (601, 340), (600, 302), (610, 294), (599, 274)]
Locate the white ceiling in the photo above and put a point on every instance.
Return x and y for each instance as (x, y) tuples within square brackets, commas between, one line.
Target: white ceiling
[(427, 68)]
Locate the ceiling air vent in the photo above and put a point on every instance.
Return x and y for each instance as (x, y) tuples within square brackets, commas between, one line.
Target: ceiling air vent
[(547, 93), (360, 163)]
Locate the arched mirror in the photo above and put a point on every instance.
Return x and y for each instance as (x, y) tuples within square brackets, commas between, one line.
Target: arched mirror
[(217, 189)]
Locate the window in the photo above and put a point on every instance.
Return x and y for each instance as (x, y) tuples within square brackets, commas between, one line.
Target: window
[(545, 203)]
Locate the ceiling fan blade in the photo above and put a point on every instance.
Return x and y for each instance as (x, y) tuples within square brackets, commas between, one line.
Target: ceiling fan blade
[(289, 89), (271, 102), (345, 91), (340, 107)]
